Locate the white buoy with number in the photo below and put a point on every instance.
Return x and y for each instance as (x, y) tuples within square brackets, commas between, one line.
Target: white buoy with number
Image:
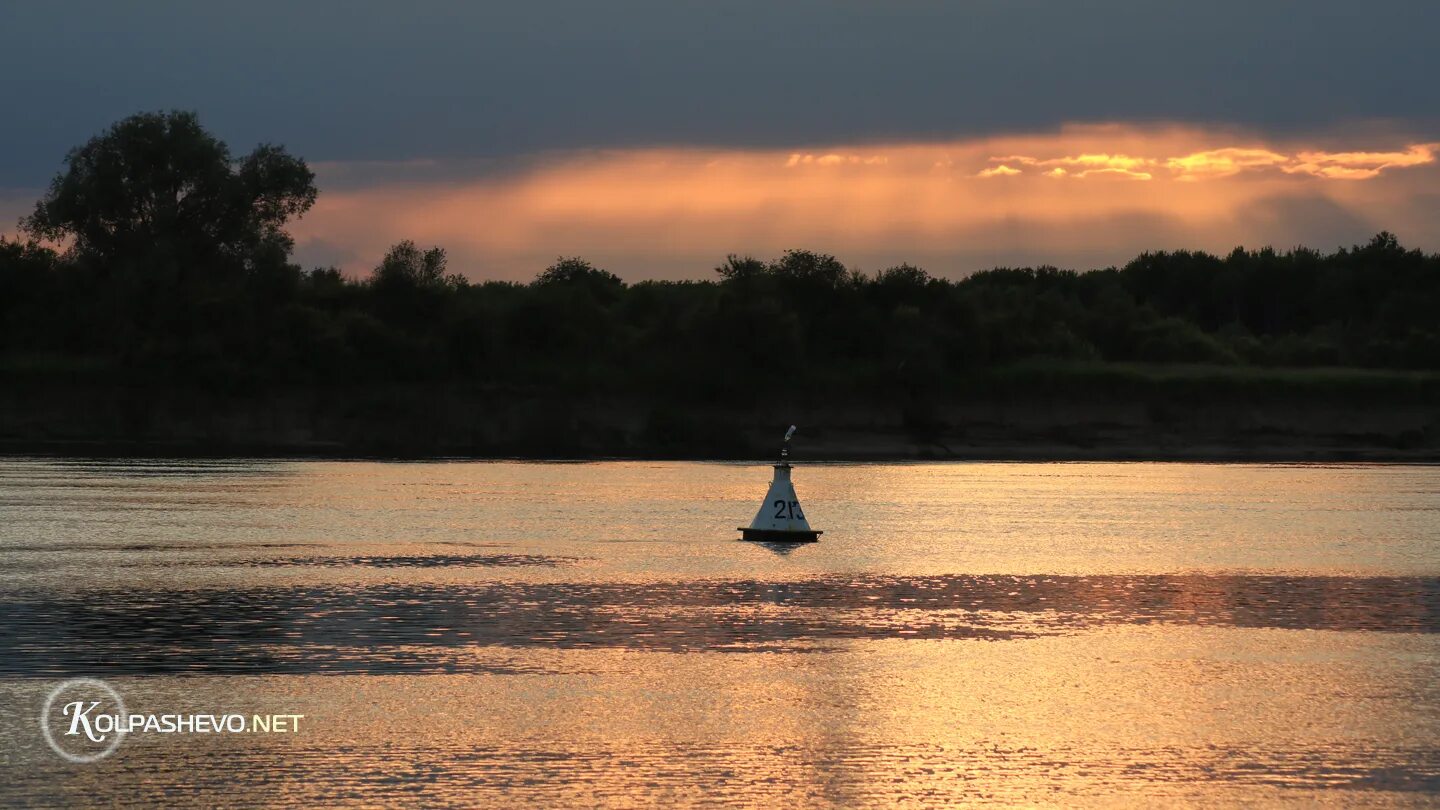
[(780, 519)]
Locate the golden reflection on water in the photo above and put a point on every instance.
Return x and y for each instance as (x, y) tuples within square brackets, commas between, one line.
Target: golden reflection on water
[(1127, 714), (648, 520), (475, 634)]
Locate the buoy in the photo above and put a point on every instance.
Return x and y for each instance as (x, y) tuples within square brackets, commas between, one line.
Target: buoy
[(780, 519)]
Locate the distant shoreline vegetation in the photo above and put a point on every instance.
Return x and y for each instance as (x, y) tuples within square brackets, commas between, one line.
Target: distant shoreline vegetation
[(176, 272)]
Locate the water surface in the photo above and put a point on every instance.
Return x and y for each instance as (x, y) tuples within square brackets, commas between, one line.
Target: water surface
[(538, 634)]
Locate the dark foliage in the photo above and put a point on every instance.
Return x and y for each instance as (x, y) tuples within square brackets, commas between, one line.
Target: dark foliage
[(177, 269), (157, 188)]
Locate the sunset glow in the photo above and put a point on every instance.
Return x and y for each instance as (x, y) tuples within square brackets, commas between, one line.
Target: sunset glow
[(750, 404), (1087, 195)]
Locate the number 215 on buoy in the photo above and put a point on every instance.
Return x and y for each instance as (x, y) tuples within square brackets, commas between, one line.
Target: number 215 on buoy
[(788, 510)]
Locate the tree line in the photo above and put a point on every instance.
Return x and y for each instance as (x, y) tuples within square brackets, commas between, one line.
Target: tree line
[(156, 256)]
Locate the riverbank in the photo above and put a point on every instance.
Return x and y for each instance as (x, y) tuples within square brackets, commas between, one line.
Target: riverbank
[(1036, 413)]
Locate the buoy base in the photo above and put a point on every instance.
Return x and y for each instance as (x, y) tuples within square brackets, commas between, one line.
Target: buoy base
[(779, 535)]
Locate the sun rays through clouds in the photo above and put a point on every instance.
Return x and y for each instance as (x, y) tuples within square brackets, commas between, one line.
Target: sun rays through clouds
[(1083, 196)]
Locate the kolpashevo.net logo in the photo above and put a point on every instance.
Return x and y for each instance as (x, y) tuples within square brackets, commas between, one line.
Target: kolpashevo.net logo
[(85, 720)]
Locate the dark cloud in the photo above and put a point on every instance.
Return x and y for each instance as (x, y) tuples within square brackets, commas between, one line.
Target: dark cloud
[(344, 81)]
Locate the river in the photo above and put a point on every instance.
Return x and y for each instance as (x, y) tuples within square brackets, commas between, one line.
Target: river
[(593, 634)]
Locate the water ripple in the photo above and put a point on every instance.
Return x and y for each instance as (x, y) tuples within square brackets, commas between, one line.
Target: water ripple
[(420, 628)]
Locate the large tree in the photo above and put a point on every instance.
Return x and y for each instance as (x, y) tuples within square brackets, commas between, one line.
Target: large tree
[(158, 187)]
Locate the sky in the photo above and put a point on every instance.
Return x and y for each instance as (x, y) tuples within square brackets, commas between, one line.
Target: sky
[(656, 137)]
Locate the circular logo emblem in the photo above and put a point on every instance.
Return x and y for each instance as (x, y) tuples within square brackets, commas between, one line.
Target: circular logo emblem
[(83, 720)]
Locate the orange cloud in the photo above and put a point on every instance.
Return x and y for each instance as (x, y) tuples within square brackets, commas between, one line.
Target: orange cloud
[(1115, 171), (1231, 160), (675, 212), (1088, 162), (1224, 162), (833, 159), (1101, 162), (1360, 165)]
